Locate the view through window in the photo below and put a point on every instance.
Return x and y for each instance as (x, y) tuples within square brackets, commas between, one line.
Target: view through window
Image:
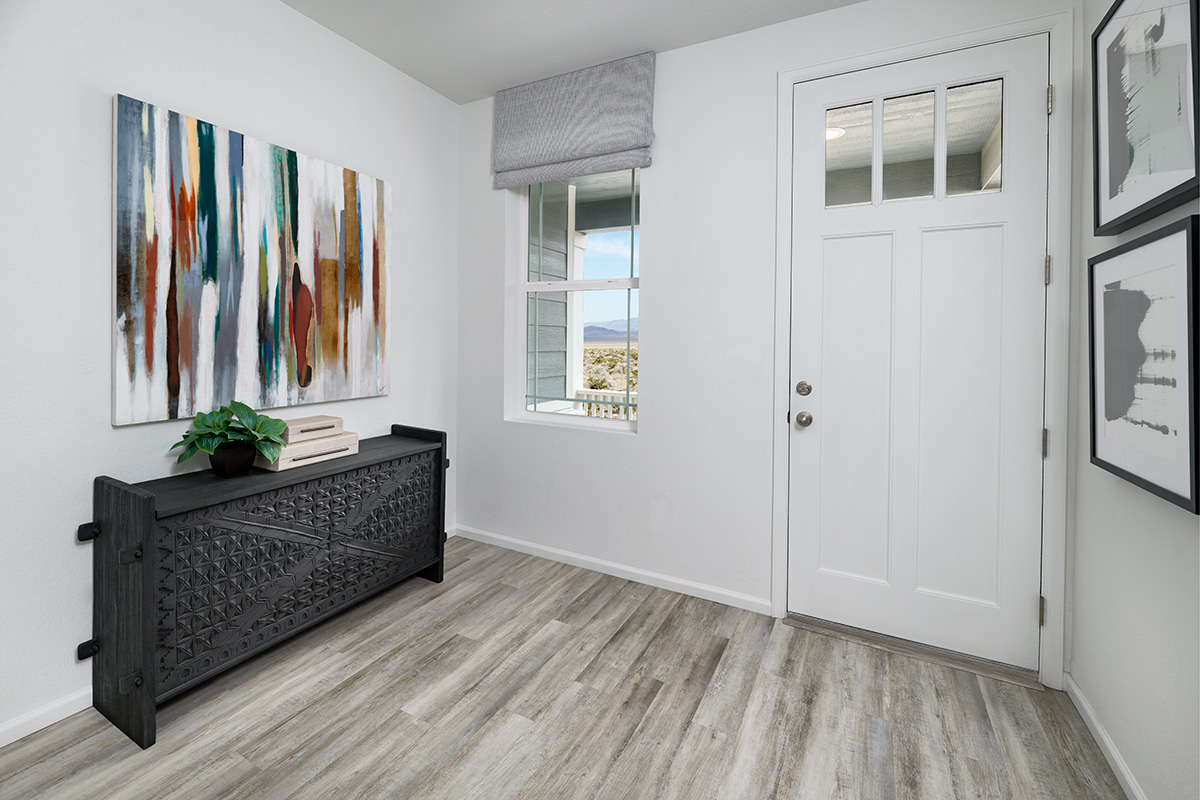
[(582, 296)]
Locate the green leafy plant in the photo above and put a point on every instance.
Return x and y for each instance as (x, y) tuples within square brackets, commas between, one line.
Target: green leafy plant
[(236, 422)]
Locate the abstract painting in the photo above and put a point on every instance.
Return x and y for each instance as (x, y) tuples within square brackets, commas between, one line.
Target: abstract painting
[(1143, 338), (244, 270), (1144, 68), (1141, 362)]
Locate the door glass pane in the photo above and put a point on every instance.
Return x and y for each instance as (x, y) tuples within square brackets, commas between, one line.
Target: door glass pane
[(848, 150), (974, 122), (908, 146)]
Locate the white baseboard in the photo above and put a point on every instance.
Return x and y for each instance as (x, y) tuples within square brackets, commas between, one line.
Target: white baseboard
[(1115, 760), (761, 605), (48, 714)]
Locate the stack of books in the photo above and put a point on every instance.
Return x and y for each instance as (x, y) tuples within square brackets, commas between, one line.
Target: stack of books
[(311, 440)]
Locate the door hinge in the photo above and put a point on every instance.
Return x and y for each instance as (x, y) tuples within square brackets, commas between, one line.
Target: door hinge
[(1045, 442), (1049, 100), (789, 418), (1041, 611), (1047, 269), (87, 649)]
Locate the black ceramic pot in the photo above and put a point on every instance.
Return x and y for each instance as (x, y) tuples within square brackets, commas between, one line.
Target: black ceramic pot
[(232, 459)]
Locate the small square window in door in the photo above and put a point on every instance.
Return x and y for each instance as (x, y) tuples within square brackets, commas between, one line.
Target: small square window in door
[(974, 137), (848, 150), (908, 127)]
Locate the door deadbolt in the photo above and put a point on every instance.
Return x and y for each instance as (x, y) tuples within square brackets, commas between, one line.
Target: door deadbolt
[(804, 419), (804, 388)]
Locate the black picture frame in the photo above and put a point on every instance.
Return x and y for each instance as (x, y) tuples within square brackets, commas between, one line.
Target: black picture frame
[(1112, 450), (1108, 221)]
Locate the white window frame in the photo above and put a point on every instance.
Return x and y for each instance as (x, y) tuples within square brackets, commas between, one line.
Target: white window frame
[(517, 289)]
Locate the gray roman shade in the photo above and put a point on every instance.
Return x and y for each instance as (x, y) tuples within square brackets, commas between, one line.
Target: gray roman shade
[(598, 119)]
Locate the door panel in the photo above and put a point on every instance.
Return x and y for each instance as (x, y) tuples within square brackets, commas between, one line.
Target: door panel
[(856, 412), (915, 499), (960, 352)]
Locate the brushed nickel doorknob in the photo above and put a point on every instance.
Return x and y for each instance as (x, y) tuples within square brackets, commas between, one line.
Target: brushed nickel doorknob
[(804, 419), (804, 388)]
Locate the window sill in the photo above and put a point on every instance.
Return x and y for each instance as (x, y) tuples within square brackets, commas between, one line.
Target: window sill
[(619, 426)]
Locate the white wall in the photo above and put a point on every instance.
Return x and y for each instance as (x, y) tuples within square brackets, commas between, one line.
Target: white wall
[(688, 498), (1135, 642), (255, 66)]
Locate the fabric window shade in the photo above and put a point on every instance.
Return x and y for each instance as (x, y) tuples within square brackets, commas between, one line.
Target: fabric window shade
[(599, 119)]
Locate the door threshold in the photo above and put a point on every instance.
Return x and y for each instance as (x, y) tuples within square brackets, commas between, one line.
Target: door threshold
[(924, 652)]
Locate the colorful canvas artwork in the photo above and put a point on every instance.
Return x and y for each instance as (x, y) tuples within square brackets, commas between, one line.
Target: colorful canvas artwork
[(243, 270)]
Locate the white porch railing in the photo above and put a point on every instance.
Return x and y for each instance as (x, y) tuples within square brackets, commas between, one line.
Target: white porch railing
[(603, 403)]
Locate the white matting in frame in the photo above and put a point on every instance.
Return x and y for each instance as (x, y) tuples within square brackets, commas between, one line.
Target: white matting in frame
[(1143, 358), (1144, 68)]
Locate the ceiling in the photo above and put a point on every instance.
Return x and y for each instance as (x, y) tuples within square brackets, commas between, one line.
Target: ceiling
[(471, 49)]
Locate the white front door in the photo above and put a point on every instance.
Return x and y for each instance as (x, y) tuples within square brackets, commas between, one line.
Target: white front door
[(918, 325)]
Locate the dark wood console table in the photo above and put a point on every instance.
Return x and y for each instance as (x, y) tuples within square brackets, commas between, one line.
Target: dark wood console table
[(195, 573)]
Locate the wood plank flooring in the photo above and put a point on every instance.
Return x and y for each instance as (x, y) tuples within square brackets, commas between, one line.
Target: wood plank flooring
[(520, 677)]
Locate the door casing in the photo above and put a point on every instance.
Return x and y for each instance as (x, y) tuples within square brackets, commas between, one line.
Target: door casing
[(1060, 27)]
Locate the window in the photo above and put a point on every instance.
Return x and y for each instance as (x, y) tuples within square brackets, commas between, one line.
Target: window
[(974, 133), (900, 134), (581, 297), (848, 140), (908, 124)]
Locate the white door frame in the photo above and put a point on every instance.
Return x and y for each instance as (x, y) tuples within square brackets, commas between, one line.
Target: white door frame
[(1060, 27)]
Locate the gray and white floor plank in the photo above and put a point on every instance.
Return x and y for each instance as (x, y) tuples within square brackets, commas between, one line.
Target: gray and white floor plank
[(524, 678)]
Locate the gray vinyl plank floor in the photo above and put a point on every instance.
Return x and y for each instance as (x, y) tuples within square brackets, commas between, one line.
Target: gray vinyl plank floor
[(520, 677)]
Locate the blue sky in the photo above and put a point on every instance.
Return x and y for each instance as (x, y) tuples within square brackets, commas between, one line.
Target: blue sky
[(608, 257)]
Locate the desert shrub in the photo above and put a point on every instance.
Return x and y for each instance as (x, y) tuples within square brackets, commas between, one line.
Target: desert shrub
[(605, 367)]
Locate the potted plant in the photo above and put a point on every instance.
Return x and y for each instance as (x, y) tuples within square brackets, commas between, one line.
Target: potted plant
[(231, 436)]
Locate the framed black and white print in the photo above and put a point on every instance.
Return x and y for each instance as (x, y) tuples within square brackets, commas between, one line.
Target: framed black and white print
[(1142, 299), (1144, 97)]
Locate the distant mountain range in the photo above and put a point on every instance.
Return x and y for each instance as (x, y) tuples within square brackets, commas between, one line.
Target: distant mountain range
[(593, 333), (610, 331), (615, 324)]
